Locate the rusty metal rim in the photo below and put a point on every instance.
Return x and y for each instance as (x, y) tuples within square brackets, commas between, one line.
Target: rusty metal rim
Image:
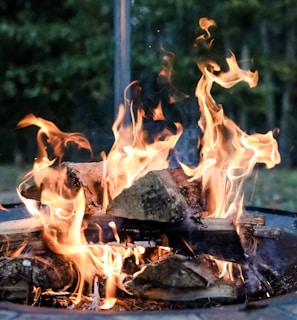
[(282, 307)]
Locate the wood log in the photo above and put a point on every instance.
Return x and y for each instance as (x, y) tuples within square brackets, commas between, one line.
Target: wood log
[(248, 219), (51, 271), (27, 225), (266, 232), (78, 175), (89, 176), (188, 236), (224, 291), (152, 197), (16, 292), (179, 279), (174, 180)]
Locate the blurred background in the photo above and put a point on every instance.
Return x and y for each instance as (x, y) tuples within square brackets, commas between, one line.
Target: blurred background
[(64, 61)]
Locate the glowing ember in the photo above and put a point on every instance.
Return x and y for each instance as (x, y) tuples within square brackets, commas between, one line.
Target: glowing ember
[(228, 155)]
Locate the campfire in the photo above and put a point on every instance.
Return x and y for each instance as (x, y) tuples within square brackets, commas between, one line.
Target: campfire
[(131, 232)]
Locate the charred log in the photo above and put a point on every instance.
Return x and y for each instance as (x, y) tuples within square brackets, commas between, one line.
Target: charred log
[(188, 236)]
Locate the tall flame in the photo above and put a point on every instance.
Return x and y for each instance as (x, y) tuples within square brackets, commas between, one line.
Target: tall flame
[(228, 155), (62, 212), (131, 156)]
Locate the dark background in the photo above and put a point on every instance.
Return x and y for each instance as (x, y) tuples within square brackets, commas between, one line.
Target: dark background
[(57, 61)]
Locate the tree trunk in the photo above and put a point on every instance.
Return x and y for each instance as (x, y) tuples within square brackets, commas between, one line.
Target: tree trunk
[(268, 81), (122, 38), (285, 140)]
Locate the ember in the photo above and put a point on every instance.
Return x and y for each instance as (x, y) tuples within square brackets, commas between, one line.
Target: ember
[(131, 227)]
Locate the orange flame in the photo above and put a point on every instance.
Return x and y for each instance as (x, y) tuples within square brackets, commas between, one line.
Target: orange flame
[(131, 157), (228, 155), (62, 212)]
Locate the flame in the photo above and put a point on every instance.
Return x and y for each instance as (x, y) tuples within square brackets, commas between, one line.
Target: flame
[(131, 156), (61, 210), (228, 156), (55, 138), (3, 208)]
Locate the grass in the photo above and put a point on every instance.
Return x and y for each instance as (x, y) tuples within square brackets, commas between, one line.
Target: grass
[(10, 177), (275, 188)]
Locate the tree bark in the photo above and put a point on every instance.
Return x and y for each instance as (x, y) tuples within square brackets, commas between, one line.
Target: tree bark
[(286, 124)]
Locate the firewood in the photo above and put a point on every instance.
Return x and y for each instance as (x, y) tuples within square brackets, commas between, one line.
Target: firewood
[(20, 226), (152, 197), (175, 271), (78, 175), (89, 176), (251, 219), (51, 271), (189, 236), (179, 279), (266, 232), (224, 291)]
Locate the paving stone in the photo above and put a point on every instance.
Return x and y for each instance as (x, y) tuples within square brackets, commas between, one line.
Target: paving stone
[(7, 315)]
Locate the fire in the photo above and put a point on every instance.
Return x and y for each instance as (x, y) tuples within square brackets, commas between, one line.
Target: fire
[(131, 156), (228, 156)]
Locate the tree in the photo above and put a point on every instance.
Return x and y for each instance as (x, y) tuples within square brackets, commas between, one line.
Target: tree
[(55, 61), (62, 68)]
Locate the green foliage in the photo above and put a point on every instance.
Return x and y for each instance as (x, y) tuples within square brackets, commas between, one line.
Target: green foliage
[(55, 61), (272, 189), (56, 57)]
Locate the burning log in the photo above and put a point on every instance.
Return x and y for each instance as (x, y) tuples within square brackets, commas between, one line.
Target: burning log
[(78, 175), (180, 279), (50, 272), (168, 191), (152, 197), (177, 277), (188, 236)]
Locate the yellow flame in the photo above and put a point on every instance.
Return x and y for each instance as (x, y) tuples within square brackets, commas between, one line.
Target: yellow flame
[(228, 155), (131, 156)]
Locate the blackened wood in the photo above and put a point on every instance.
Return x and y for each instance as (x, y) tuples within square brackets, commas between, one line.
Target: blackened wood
[(214, 236), (51, 271), (266, 232)]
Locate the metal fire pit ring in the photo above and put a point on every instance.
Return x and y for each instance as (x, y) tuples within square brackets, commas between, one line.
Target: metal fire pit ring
[(282, 307), (279, 307)]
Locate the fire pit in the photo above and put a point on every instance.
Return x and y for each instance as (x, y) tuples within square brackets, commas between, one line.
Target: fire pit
[(275, 260), (132, 233)]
